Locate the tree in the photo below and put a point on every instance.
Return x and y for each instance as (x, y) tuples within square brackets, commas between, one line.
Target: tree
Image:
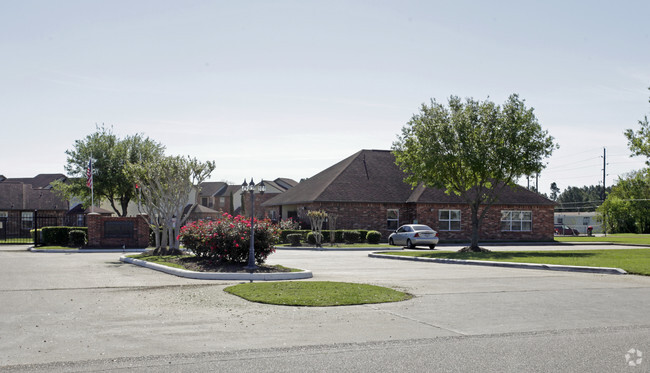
[(627, 207), (472, 149), (317, 218), (639, 141), (554, 191), (166, 185), (585, 198), (110, 155)]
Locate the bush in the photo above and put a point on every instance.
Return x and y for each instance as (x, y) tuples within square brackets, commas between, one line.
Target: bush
[(77, 238), (373, 237), (362, 235), (58, 236), (285, 232), (55, 236), (289, 224), (294, 239), (228, 239), (351, 236), (311, 238)]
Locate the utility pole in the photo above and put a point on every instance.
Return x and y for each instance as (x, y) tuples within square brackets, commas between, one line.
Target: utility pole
[(603, 196), (604, 172)]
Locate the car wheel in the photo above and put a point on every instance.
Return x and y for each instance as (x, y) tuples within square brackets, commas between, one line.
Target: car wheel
[(409, 245), (390, 241), (432, 247)]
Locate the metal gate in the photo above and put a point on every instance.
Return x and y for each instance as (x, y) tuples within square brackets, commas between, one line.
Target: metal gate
[(19, 228)]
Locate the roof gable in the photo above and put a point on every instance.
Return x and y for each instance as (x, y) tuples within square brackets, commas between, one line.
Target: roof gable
[(373, 176), (213, 188), (39, 181)]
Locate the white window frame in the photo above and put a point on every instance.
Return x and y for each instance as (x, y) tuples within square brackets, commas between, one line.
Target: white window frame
[(26, 216), (4, 214), (448, 218), (392, 219), (516, 220)]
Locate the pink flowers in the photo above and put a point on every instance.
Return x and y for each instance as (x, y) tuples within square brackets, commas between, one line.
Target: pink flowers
[(228, 239)]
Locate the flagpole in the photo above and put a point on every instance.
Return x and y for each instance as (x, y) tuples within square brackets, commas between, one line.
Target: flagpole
[(91, 183), (92, 187)]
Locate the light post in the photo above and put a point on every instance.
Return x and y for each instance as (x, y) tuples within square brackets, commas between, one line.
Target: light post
[(250, 187)]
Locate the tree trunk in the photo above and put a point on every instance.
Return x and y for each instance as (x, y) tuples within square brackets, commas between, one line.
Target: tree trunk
[(476, 223), (167, 251), (124, 202)]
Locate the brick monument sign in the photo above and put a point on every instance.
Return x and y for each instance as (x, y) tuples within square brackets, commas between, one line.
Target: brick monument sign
[(117, 232)]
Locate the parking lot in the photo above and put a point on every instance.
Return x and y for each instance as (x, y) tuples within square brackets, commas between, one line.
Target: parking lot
[(80, 308)]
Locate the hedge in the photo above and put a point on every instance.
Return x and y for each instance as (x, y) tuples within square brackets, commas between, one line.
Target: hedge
[(59, 236), (340, 236), (294, 239), (77, 238), (373, 237)]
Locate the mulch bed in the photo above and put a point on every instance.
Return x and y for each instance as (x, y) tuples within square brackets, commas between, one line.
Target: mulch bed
[(199, 265)]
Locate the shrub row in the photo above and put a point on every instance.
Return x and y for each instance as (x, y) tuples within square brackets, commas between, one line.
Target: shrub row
[(63, 236), (340, 236)]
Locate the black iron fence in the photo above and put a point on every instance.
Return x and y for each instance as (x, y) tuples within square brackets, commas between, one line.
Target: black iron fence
[(19, 228)]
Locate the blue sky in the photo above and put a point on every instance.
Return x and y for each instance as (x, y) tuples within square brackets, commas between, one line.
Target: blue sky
[(288, 88)]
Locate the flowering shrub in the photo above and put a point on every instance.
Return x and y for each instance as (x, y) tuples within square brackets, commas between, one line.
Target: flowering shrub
[(228, 239), (289, 224)]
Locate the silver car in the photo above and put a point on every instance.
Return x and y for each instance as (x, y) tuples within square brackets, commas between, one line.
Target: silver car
[(412, 235)]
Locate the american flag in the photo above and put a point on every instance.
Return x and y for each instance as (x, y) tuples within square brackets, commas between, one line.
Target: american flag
[(89, 174)]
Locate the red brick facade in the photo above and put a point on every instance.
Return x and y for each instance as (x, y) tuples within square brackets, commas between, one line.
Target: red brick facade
[(374, 216), (97, 236)]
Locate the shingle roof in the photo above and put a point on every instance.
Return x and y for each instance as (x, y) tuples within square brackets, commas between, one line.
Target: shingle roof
[(19, 196), (372, 176), (38, 181), (285, 182), (212, 188)]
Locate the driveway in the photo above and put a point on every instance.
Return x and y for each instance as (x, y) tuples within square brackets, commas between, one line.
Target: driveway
[(89, 311)]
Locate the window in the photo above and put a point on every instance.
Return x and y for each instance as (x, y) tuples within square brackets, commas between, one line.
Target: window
[(222, 201), (4, 214), (585, 220), (516, 220), (27, 219), (204, 201), (392, 219), (449, 220)]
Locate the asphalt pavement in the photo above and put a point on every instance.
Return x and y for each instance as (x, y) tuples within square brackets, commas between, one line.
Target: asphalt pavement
[(88, 312)]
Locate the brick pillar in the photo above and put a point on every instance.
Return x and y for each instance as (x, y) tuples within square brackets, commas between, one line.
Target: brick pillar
[(142, 231), (95, 229)]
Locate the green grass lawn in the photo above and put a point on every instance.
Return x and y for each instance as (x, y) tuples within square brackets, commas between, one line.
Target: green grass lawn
[(162, 260), (636, 261), (315, 293), (25, 241), (55, 248), (620, 238), (343, 245)]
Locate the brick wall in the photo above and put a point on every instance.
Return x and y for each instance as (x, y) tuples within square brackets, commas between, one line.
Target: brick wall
[(373, 216), (97, 239), (490, 229)]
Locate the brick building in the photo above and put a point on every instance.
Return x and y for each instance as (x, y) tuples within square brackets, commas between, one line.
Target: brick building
[(20, 197), (367, 191)]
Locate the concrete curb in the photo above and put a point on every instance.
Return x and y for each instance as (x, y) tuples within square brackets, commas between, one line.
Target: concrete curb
[(34, 250), (218, 275), (311, 248), (551, 267)]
